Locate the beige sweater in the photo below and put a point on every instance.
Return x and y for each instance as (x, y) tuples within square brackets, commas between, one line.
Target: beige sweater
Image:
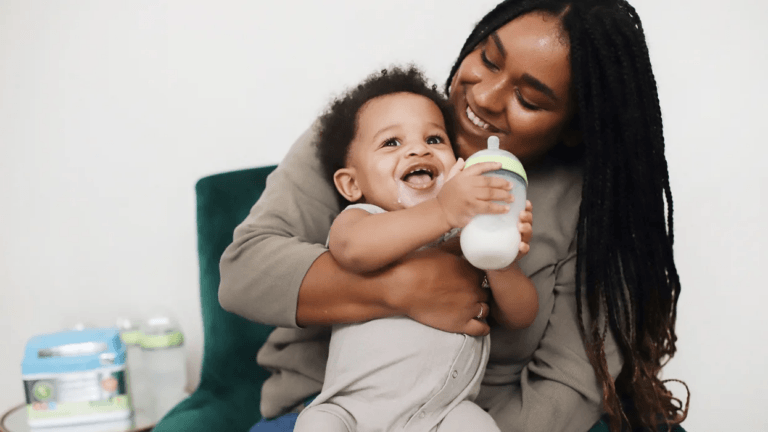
[(537, 379)]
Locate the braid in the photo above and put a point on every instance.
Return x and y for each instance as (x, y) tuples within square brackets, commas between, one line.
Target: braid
[(595, 219), (625, 270), (625, 185)]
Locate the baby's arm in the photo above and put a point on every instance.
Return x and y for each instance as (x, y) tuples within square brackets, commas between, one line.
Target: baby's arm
[(364, 242), (516, 301)]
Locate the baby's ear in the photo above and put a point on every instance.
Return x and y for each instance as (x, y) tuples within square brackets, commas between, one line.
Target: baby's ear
[(345, 180)]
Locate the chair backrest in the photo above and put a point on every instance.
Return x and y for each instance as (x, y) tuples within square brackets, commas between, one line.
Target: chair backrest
[(230, 341)]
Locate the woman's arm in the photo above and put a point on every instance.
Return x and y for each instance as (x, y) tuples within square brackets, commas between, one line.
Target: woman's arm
[(433, 287), (276, 270)]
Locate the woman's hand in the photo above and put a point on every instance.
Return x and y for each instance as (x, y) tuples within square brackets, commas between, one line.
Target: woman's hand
[(432, 286), (440, 290)]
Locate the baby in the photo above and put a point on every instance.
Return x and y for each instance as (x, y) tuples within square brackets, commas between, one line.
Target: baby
[(386, 145)]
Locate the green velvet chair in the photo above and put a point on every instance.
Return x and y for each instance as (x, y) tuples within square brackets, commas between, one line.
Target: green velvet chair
[(227, 398)]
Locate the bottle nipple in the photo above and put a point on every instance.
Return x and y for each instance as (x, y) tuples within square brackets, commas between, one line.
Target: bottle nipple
[(493, 142)]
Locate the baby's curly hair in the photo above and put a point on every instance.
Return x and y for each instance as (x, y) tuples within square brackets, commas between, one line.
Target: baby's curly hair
[(338, 124)]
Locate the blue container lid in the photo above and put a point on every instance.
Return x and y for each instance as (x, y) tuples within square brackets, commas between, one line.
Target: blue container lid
[(73, 351)]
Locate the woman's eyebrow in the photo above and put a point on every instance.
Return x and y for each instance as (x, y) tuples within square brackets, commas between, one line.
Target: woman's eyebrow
[(540, 86), (533, 82), (498, 43)]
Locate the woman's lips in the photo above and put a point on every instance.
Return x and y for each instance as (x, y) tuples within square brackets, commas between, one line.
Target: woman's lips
[(478, 124), (475, 119)]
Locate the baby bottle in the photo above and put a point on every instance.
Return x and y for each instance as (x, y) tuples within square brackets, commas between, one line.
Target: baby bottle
[(491, 241)]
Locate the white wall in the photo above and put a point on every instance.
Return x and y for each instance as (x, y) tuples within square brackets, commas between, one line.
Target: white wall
[(111, 110), (710, 63)]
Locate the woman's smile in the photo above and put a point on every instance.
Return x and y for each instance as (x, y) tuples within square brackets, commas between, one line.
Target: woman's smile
[(475, 119), (515, 84)]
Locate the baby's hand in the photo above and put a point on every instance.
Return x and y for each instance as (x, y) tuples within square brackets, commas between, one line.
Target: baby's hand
[(455, 169), (469, 193), (526, 230)]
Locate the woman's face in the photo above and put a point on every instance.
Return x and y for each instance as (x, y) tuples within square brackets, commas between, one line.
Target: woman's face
[(516, 85)]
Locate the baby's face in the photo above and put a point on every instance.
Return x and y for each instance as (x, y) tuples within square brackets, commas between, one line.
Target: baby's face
[(401, 152)]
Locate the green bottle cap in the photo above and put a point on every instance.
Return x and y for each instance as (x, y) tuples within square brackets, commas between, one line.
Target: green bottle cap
[(131, 337), (158, 341), (494, 154)]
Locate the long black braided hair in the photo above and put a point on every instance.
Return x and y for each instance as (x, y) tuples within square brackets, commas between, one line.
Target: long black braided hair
[(625, 264)]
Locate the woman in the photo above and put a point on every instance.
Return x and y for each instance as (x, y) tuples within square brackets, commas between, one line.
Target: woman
[(568, 88)]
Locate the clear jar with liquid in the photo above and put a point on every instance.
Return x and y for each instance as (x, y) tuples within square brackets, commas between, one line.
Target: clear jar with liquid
[(164, 363)]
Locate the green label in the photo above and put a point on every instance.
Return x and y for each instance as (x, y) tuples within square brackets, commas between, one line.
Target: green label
[(172, 339), (48, 410), (43, 390), (132, 337), (98, 384)]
